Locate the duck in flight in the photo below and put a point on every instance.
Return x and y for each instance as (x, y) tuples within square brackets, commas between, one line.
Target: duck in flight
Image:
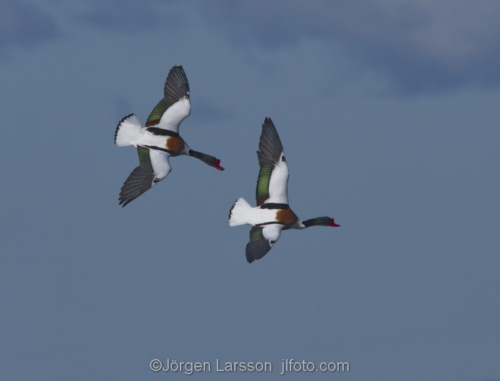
[(159, 139), (272, 213)]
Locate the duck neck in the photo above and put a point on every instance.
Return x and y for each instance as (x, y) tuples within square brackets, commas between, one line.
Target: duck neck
[(320, 221), (207, 159)]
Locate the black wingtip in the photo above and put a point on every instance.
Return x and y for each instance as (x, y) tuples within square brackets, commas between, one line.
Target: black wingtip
[(249, 258), (270, 147), (138, 182), (256, 248), (231, 210), (176, 85), (124, 203)]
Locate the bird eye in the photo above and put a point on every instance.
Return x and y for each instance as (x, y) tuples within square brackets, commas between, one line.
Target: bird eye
[(272, 242)]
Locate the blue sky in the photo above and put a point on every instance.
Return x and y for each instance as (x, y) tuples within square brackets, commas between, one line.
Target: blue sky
[(388, 113)]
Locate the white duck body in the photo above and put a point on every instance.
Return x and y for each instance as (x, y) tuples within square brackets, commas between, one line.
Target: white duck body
[(243, 213), (159, 138), (272, 213), (131, 133)]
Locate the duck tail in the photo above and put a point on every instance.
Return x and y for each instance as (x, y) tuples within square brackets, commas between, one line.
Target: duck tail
[(238, 215), (128, 131)]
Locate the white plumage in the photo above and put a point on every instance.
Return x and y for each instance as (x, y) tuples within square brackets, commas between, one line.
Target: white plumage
[(129, 131), (159, 138), (175, 114), (243, 213)]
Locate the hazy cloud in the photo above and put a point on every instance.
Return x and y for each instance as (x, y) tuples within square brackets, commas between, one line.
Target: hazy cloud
[(23, 24), (422, 46), (206, 111), (122, 107), (129, 15)]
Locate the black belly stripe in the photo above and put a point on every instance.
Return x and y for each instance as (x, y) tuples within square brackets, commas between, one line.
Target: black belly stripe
[(161, 149), (162, 132), (273, 205)]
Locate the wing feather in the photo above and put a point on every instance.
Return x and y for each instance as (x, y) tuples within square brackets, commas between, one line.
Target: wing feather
[(272, 181), (175, 105), (262, 240), (140, 180), (143, 177)]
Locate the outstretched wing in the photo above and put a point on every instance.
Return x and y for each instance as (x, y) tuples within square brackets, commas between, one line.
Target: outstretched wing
[(175, 105), (262, 240), (272, 182), (153, 167)]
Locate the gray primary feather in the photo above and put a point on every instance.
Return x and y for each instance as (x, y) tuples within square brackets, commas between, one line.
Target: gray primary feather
[(270, 147), (139, 181), (176, 85), (258, 245)]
